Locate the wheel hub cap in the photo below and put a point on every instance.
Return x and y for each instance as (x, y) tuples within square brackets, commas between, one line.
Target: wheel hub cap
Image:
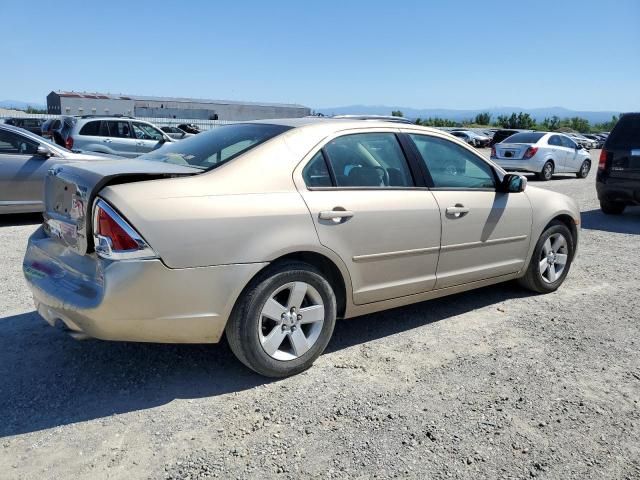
[(553, 257), (291, 321)]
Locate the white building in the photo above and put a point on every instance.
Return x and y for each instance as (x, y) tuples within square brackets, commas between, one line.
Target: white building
[(82, 103)]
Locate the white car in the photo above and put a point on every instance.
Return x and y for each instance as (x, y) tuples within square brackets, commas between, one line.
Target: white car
[(542, 153)]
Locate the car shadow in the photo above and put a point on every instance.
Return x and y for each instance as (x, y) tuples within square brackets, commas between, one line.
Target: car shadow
[(50, 380), (628, 222), (556, 176), (15, 219)]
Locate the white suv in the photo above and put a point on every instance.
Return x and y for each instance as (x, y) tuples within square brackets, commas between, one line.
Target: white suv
[(123, 136)]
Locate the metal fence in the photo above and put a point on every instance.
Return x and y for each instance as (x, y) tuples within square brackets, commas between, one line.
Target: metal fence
[(160, 122)]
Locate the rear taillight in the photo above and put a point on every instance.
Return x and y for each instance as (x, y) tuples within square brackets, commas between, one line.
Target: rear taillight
[(493, 152), (114, 238), (531, 151), (602, 163), (68, 143)]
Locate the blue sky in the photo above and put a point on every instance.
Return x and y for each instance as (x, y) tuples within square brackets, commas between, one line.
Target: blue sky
[(461, 54)]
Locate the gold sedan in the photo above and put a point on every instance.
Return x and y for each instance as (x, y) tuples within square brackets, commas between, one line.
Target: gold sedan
[(271, 230)]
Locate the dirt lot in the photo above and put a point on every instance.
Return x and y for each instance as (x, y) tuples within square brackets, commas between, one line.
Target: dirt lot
[(495, 383)]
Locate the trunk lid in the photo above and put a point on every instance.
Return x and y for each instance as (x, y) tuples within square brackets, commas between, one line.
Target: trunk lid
[(511, 151), (625, 162), (70, 190)]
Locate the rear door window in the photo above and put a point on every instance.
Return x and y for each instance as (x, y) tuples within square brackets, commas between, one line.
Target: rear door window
[(555, 141), (626, 133), (119, 129), (372, 160), (316, 173)]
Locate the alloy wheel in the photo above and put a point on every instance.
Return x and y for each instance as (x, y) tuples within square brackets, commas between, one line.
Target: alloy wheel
[(553, 257), (291, 321), (585, 169)]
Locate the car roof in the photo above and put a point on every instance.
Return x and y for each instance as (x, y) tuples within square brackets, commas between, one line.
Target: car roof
[(339, 124)]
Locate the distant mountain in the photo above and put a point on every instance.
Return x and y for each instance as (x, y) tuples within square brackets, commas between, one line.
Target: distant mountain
[(458, 115), (20, 105)]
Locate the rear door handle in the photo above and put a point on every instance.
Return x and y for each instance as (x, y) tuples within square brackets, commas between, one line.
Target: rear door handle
[(107, 140), (335, 215), (457, 211)]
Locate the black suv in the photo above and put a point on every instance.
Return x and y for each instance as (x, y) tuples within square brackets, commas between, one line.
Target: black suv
[(618, 178), (501, 135), (32, 124)]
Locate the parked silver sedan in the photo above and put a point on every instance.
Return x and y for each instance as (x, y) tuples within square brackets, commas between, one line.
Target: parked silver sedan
[(25, 159), (271, 230), (543, 154)]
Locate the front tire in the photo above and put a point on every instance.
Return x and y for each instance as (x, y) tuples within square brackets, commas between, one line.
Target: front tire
[(283, 321), (612, 208), (584, 169), (547, 172), (551, 260)]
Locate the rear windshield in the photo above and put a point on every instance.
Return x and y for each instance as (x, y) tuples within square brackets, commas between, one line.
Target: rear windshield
[(626, 133), (211, 149), (524, 138)]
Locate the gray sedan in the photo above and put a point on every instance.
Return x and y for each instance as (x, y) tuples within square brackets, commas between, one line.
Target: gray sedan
[(25, 159)]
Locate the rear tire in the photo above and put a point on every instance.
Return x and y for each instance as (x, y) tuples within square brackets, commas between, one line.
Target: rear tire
[(584, 169), (283, 320), (612, 208), (547, 172), (546, 272)]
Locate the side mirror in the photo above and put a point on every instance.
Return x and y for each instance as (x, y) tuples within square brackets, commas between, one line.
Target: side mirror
[(512, 183), (43, 151)]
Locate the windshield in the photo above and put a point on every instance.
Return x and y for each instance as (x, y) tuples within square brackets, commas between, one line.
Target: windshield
[(211, 149), (524, 138)]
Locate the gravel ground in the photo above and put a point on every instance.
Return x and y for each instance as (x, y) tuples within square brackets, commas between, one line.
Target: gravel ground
[(494, 383)]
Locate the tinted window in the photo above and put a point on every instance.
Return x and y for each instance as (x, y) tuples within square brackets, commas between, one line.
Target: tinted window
[(555, 141), (119, 129), (626, 133), (316, 173), (452, 166), (368, 160), (91, 128), (502, 134), (527, 137), (211, 149), (16, 144)]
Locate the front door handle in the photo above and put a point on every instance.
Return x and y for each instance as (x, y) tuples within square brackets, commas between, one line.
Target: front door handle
[(107, 140), (457, 211), (335, 215)]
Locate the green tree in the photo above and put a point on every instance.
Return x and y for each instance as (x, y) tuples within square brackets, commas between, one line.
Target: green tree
[(606, 126), (438, 122), (30, 109), (551, 124), (519, 120), (483, 119), (579, 124), (397, 113)]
